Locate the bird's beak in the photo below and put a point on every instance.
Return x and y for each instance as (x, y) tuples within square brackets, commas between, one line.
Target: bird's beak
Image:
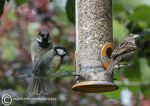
[(136, 36), (38, 39)]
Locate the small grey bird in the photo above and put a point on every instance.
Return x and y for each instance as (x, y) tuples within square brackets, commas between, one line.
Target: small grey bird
[(124, 50), (44, 70), (40, 45)]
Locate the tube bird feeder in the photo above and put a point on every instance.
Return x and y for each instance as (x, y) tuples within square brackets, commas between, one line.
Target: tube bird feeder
[(93, 46)]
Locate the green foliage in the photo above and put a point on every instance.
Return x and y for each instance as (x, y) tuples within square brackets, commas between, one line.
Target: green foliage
[(133, 72), (70, 10), (145, 69), (117, 7), (32, 27), (2, 2), (143, 43), (118, 28), (20, 89), (115, 94), (145, 90), (12, 16), (130, 4), (20, 2), (61, 18), (141, 16), (8, 51), (66, 70)]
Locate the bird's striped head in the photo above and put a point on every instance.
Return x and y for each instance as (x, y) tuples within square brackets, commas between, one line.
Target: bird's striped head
[(134, 35)]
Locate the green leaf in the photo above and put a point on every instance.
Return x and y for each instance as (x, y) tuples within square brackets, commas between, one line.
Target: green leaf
[(117, 93), (119, 30), (20, 2), (2, 2), (61, 17), (32, 27), (70, 10), (143, 44), (12, 15), (120, 14), (141, 15), (130, 4), (145, 69), (133, 72), (8, 51), (125, 5), (113, 94), (117, 7), (145, 90), (67, 68), (20, 89)]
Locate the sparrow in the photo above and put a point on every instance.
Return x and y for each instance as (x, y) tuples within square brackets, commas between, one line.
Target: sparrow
[(40, 45), (124, 51)]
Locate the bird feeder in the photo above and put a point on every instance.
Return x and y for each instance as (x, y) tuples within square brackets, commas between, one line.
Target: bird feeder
[(93, 46)]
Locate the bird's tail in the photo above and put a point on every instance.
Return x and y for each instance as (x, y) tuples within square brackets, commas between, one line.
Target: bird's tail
[(41, 86)]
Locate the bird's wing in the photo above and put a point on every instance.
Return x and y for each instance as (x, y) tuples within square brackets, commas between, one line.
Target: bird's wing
[(43, 62), (36, 67), (123, 48), (34, 51), (128, 55)]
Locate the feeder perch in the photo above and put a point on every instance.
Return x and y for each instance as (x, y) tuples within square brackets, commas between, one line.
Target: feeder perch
[(93, 46)]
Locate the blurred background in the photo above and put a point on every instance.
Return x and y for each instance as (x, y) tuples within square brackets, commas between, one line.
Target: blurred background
[(21, 20)]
